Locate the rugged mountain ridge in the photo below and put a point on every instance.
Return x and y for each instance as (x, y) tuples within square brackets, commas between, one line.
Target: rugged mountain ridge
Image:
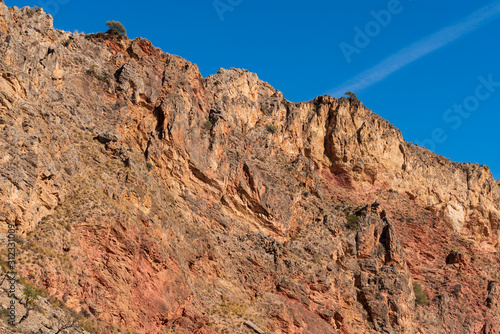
[(158, 200)]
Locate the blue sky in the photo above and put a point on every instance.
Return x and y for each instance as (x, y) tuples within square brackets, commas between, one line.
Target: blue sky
[(429, 67)]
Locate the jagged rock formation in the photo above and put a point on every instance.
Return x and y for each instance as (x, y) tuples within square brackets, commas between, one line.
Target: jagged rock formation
[(157, 200)]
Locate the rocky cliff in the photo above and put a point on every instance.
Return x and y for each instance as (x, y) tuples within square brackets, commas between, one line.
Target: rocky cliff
[(152, 199)]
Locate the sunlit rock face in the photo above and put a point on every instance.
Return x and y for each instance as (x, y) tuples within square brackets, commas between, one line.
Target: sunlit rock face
[(157, 200)]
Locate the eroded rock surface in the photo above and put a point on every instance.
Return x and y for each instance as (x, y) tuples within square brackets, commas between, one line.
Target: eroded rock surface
[(154, 199)]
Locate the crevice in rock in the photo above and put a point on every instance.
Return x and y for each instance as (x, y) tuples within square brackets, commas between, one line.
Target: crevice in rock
[(117, 73), (249, 177), (160, 121), (385, 240), (201, 176), (328, 145), (401, 148), (146, 153), (358, 133), (361, 298)]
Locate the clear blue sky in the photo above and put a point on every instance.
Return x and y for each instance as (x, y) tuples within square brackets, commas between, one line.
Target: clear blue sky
[(412, 69)]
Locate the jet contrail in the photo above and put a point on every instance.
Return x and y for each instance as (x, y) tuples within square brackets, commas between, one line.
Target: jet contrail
[(419, 49)]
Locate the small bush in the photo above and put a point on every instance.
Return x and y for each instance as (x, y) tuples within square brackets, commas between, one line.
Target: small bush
[(4, 314), (67, 42), (116, 27), (207, 125), (99, 35), (113, 32), (420, 296), (352, 97), (149, 165), (5, 266), (55, 302), (92, 71), (352, 221), (90, 325), (404, 166), (31, 293), (31, 11), (272, 128)]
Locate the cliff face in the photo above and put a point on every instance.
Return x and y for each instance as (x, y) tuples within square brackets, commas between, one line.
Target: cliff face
[(157, 200)]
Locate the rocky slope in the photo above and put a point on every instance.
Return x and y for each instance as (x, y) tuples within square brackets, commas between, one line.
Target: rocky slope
[(152, 199)]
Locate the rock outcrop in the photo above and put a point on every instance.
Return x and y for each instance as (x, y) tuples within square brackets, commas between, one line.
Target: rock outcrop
[(154, 199)]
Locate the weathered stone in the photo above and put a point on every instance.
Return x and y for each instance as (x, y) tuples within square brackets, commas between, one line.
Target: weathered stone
[(215, 201), (107, 137)]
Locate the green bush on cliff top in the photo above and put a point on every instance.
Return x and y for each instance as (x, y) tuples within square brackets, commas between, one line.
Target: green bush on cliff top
[(116, 27)]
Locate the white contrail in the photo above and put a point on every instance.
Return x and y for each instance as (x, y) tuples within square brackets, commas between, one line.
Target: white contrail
[(419, 49)]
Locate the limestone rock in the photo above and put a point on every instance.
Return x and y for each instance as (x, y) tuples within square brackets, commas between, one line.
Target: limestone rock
[(153, 199)]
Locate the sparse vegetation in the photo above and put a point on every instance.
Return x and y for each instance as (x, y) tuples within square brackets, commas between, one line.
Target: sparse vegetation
[(66, 321), (92, 72), (30, 295), (272, 128), (5, 266), (90, 325), (55, 302), (99, 35), (149, 165), (67, 42), (352, 221), (31, 11), (4, 314), (352, 97), (404, 166), (420, 297), (116, 28), (207, 125)]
